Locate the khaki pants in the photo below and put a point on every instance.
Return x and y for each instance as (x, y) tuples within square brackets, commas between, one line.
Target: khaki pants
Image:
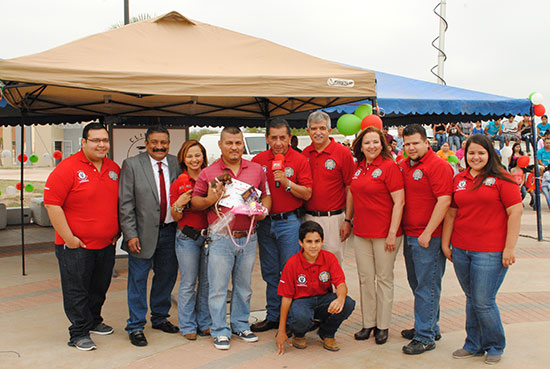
[(331, 227), (375, 269)]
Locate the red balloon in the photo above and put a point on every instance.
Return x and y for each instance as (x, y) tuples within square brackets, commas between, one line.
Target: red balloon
[(57, 154), (539, 110), (18, 186), (24, 157), (371, 120), (523, 161)]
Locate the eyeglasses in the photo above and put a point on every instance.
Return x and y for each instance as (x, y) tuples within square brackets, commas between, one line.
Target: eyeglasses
[(98, 140)]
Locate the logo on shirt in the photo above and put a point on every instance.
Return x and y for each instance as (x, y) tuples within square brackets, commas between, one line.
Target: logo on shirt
[(489, 181), (302, 280), (376, 173), (113, 175), (264, 168), (324, 276), (330, 164), (289, 172), (83, 177), (417, 175), (461, 185)]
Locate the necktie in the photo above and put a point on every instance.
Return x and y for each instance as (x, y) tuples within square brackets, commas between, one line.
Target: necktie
[(162, 194)]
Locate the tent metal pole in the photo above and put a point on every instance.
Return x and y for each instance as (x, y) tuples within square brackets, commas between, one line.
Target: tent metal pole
[(126, 12), (537, 180), (22, 190)]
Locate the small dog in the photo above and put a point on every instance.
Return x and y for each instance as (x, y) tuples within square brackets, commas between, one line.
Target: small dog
[(225, 179)]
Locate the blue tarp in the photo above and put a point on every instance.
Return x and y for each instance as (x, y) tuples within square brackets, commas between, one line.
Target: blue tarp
[(406, 96)]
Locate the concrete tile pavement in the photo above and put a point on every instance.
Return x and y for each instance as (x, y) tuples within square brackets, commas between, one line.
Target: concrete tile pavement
[(34, 326)]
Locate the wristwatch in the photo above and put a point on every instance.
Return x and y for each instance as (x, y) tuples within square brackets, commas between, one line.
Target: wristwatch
[(178, 210), (287, 189)]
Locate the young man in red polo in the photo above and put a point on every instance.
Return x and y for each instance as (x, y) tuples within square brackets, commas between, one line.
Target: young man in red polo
[(306, 289)]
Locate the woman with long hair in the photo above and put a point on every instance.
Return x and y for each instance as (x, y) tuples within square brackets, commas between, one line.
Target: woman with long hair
[(193, 313), (480, 232), (375, 203)]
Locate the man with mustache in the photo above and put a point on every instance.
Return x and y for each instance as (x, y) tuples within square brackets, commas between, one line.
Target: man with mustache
[(149, 233), (332, 167)]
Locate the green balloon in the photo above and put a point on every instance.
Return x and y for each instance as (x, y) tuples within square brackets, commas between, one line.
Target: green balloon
[(363, 110), (29, 188), (349, 124), (453, 159), (531, 95), (33, 158), (405, 154)]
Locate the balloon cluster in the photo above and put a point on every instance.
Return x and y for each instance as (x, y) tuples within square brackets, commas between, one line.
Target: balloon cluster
[(350, 124), (28, 187), (536, 99)]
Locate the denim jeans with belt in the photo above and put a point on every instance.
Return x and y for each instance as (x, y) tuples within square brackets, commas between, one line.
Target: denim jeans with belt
[(441, 139), (480, 275), (165, 267), (192, 307), (278, 241), (85, 278), (304, 310), (227, 261), (425, 269)]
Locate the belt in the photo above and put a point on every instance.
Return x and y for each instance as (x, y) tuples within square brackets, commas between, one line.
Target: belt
[(241, 234), (194, 233), (325, 213), (164, 225), (281, 216)]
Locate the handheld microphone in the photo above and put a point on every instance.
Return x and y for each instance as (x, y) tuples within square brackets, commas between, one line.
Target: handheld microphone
[(278, 164)]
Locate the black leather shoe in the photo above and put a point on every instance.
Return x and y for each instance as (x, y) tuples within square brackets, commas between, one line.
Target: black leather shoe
[(409, 334), (381, 336), (167, 327), (363, 334), (264, 325), (416, 347), (138, 338)]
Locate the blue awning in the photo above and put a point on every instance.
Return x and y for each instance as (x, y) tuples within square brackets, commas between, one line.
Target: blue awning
[(406, 96)]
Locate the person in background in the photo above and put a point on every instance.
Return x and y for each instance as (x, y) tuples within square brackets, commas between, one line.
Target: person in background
[(440, 132), (445, 152), (460, 152), (387, 135), (393, 147), (516, 154), (519, 177), (543, 154), (454, 133), (465, 130), (193, 314), (525, 129), (542, 127), (510, 129), (375, 203), (478, 129), (493, 130), (545, 185), (294, 144), (399, 139), (482, 252)]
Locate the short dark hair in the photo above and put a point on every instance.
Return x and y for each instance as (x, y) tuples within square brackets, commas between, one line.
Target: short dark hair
[(411, 129), (310, 227), (231, 130), (156, 129), (544, 116), (276, 123), (91, 127)]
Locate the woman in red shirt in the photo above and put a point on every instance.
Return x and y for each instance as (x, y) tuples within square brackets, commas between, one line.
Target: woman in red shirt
[(193, 313), (482, 225), (375, 201)]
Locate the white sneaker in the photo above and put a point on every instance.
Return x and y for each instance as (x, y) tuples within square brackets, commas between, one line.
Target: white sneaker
[(246, 336), (221, 342)]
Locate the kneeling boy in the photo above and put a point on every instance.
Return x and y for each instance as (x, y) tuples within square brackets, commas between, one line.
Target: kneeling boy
[(306, 289)]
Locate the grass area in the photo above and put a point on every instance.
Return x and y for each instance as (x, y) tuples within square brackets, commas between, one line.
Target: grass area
[(15, 200)]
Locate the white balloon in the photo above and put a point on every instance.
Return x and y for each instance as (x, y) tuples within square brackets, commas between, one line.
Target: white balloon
[(6, 154), (537, 98), (11, 190)]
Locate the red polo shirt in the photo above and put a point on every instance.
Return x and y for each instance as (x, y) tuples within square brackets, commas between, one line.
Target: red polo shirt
[(191, 218), (332, 170), (251, 173), (425, 181), (302, 279), (296, 169), (481, 221), (89, 199), (371, 187)]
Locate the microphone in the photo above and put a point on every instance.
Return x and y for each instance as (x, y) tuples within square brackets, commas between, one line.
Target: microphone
[(278, 164)]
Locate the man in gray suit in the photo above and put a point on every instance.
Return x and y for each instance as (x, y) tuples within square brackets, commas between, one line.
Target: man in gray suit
[(149, 232)]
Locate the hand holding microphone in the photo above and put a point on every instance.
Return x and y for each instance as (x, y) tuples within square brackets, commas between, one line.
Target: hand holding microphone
[(278, 164)]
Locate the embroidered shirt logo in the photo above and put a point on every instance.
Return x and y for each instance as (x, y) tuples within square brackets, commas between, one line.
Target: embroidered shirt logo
[(264, 168), (113, 175), (357, 173), (289, 172), (324, 276), (376, 173), (330, 164), (489, 181), (417, 174), (302, 280), (461, 185), (83, 177)]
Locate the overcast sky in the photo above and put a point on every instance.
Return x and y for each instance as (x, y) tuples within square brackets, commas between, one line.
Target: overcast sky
[(499, 47)]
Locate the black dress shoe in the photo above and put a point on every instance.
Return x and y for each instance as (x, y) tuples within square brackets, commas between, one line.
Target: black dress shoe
[(381, 336), (167, 327), (409, 334), (416, 347), (264, 325), (363, 334), (138, 338)]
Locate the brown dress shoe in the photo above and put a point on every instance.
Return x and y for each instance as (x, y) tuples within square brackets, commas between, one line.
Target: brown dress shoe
[(330, 344), (190, 336), (299, 342)]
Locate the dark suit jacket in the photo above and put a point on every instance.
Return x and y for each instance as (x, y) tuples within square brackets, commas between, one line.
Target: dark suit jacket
[(138, 202)]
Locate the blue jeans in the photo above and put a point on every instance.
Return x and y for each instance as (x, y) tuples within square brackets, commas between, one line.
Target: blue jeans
[(85, 279), (546, 194), (192, 308), (304, 310), (480, 275), (165, 267), (278, 241), (454, 143), (441, 139), (227, 261), (425, 268), (500, 138)]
